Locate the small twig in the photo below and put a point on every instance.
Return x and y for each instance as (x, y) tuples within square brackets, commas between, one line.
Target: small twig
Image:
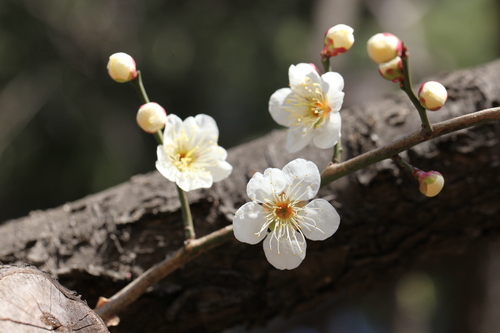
[(407, 88), (339, 170), (136, 288), (402, 163)]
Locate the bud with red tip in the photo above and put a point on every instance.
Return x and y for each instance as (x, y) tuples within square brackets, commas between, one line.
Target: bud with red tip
[(121, 67), (338, 39), (392, 70), (431, 183), (432, 95), (151, 117), (383, 47)]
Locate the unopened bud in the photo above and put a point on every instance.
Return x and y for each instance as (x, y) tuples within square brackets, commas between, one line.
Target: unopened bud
[(392, 70), (121, 67), (430, 183), (383, 47), (151, 117), (338, 39), (432, 95)]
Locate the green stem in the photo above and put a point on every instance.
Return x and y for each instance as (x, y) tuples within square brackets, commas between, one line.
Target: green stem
[(159, 138), (337, 152), (187, 219), (403, 163), (406, 87), (326, 64), (139, 87)]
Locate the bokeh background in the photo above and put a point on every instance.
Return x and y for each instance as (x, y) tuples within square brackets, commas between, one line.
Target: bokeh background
[(67, 130)]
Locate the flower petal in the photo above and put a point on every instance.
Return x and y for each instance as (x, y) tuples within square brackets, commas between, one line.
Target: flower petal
[(277, 107), (172, 126), (221, 171), (189, 181), (207, 125), (298, 75), (328, 134), (288, 255), (164, 165), (321, 220), (262, 187), (303, 179), (248, 221), (297, 138), (332, 82)]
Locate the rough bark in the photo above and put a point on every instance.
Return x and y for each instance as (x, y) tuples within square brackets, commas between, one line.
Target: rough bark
[(99, 243), (33, 302)]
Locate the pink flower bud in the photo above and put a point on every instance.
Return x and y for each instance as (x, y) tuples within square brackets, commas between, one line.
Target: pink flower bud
[(151, 117), (392, 70), (121, 67), (432, 95), (383, 47), (338, 39), (431, 183)]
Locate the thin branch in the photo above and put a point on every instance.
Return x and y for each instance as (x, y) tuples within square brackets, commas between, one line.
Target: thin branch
[(339, 170), (136, 288), (406, 86)]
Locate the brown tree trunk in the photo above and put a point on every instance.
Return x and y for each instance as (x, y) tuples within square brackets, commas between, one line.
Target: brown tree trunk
[(98, 244), (33, 302)]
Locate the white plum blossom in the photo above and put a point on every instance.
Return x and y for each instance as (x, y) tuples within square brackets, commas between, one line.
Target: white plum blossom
[(190, 156), (279, 210), (309, 108)]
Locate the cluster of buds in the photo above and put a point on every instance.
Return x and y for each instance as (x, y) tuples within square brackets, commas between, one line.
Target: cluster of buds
[(151, 117), (430, 183), (432, 95), (338, 39), (385, 49)]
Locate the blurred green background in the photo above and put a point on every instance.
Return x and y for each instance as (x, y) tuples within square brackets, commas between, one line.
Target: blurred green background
[(68, 130)]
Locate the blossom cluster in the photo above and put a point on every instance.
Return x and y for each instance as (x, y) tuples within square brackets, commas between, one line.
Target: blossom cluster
[(188, 154), (282, 212)]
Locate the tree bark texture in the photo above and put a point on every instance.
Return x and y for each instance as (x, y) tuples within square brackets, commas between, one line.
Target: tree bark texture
[(99, 243), (33, 302)]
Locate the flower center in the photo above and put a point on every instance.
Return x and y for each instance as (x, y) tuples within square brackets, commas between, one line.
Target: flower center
[(309, 105), (184, 159), (284, 211), (317, 107)]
